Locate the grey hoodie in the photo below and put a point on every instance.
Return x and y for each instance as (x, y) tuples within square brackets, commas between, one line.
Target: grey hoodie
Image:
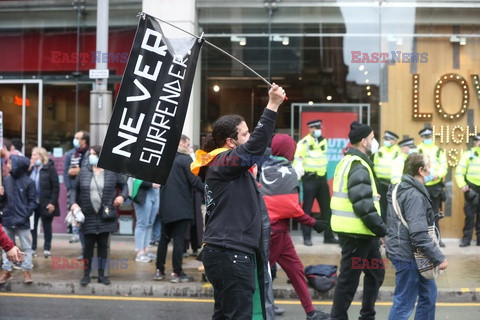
[(416, 207)]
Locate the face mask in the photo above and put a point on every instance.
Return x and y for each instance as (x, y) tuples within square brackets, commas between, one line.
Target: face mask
[(387, 143), (413, 150), (38, 162), (374, 146), (428, 141), (93, 159), (317, 133), (76, 143), (430, 176)]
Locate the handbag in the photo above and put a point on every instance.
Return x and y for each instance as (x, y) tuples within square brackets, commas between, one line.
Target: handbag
[(105, 213), (424, 265)]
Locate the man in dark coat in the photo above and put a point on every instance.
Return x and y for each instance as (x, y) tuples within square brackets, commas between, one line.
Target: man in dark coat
[(176, 211), (18, 201)]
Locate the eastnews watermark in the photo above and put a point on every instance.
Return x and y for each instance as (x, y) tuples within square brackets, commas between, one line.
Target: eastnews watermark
[(359, 263), (389, 57), (88, 57), (59, 263)]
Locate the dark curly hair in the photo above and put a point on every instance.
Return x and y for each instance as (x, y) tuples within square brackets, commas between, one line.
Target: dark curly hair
[(414, 162), (225, 127)]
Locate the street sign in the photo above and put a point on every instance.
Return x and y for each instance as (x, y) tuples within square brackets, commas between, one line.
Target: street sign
[(98, 73)]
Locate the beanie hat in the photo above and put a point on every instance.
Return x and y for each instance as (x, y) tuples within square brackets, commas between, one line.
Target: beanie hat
[(358, 131), (284, 146)]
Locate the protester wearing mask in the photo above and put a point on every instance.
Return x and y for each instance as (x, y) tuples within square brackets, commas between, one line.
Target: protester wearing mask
[(407, 147), (434, 183), (95, 193), (357, 220), (43, 172), (311, 156), (383, 161), (416, 209)]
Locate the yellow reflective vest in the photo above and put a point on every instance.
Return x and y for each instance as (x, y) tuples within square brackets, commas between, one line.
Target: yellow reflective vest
[(438, 160), (313, 155), (397, 168), (383, 161), (468, 168), (344, 219)]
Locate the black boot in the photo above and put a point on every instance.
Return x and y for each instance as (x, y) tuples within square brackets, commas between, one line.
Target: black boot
[(102, 278), (86, 278)]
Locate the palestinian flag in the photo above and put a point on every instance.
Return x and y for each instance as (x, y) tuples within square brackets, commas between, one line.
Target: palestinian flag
[(279, 187)]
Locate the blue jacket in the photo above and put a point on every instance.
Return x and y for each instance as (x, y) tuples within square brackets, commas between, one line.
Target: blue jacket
[(18, 201)]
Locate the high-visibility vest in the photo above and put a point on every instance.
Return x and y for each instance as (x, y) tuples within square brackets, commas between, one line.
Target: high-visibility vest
[(438, 161), (383, 161), (397, 168), (344, 219), (313, 155), (468, 168)]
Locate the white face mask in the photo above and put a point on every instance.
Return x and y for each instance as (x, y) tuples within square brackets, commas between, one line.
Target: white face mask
[(374, 146)]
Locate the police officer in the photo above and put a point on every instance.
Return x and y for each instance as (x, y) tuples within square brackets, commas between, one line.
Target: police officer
[(434, 182), (382, 161), (312, 154), (467, 176), (407, 146), (357, 220)]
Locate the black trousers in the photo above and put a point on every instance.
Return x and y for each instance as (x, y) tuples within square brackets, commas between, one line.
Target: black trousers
[(316, 187), (437, 195), (232, 274), (173, 230), (347, 282), (47, 230), (101, 239), (472, 218), (382, 188)]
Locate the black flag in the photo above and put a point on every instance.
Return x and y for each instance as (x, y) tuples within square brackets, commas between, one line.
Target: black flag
[(149, 113)]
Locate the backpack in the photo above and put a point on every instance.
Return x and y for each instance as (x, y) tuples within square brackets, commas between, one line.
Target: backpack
[(321, 277)]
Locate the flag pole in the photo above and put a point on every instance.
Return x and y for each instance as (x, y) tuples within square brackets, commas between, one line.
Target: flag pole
[(142, 14)]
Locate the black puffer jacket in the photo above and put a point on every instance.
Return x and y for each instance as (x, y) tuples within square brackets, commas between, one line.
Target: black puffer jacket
[(49, 188), (416, 207), (18, 201), (93, 222), (361, 195)]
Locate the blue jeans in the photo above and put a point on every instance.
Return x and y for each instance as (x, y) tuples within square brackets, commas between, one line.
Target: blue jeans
[(409, 285), (157, 228), (26, 246), (145, 215)]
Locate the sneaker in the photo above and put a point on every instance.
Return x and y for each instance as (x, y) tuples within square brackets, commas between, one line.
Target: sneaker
[(47, 253), (105, 280), (153, 243), (151, 255), (159, 275), (278, 311), (34, 254), (4, 276), (308, 242), (143, 258), (464, 243), (17, 266), (319, 315), (181, 278), (85, 281), (75, 238), (27, 277)]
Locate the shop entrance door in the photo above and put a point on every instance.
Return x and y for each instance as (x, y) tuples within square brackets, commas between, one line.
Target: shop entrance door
[(23, 83)]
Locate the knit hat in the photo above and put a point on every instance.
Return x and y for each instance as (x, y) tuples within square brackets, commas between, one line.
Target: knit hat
[(284, 146), (358, 131)]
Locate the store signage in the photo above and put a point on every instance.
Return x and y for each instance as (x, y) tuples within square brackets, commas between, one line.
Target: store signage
[(98, 73), (446, 134), (149, 113)]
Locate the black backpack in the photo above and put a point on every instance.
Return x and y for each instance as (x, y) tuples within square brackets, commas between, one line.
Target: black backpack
[(321, 277)]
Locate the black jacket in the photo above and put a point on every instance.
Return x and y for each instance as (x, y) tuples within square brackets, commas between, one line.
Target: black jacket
[(177, 194), (416, 207), (93, 223), (18, 201), (49, 189), (361, 195), (234, 211), (141, 195)]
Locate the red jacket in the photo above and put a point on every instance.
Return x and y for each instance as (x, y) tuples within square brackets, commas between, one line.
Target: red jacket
[(5, 242)]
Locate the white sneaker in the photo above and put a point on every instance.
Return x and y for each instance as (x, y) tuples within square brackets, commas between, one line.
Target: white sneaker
[(143, 258), (47, 253), (151, 255)]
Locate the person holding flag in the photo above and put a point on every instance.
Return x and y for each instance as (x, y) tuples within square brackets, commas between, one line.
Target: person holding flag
[(237, 227)]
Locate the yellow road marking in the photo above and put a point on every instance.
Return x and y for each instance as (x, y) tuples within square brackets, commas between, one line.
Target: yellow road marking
[(464, 290), (199, 300)]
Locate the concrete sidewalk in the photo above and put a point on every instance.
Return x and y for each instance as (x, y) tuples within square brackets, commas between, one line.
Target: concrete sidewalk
[(459, 283)]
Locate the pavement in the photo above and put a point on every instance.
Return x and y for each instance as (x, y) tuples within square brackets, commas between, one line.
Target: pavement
[(57, 275)]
